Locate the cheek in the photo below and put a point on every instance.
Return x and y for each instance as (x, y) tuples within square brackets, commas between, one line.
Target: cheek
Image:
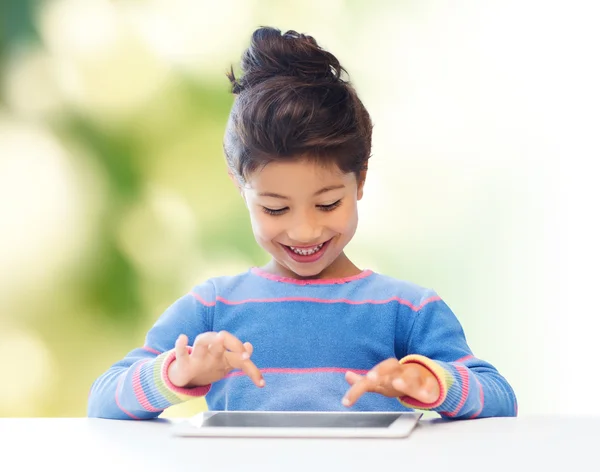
[(264, 228), (347, 220)]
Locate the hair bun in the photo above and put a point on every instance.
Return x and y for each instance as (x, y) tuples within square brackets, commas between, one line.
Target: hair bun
[(291, 54)]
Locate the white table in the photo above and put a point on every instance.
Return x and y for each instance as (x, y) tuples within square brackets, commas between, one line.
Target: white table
[(507, 444)]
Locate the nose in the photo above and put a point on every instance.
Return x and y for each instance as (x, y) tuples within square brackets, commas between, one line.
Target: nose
[(305, 230)]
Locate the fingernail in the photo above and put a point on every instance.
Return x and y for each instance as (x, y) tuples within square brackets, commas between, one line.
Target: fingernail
[(245, 356), (261, 382), (345, 402), (372, 375)]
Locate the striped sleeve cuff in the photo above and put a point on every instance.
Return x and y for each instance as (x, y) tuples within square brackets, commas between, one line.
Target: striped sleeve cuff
[(154, 383), (444, 378)]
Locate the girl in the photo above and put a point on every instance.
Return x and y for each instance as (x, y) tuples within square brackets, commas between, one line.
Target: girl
[(310, 330)]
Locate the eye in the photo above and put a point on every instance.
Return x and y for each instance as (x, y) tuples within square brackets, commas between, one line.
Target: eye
[(274, 212), (330, 207)]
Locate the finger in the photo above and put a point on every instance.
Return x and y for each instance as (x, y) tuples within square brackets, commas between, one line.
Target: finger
[(200, 349), (236, 361), (231, 343), (352, 377), (202, 342), (216, 348), (181, 351), (362, 386), (205, 338), (254, 373), (383, 374), (371, 382)]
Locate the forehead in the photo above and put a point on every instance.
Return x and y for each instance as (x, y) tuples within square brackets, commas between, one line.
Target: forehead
[(297, 177)]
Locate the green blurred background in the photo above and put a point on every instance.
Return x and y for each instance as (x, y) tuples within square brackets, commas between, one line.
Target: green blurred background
[(114, 198)]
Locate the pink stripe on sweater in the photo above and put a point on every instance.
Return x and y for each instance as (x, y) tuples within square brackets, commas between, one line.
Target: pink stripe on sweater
[(465, 358), (149, 349), (319, 300), (464, 377), (119, 383), (289, 280), (481, 399), (201, 300), (309, 370), (139, 390)]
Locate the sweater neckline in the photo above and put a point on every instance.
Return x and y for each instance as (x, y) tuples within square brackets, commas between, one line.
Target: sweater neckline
[(289, 280)]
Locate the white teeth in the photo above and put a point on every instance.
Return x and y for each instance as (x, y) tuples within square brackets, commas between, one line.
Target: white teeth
[(307, 252)]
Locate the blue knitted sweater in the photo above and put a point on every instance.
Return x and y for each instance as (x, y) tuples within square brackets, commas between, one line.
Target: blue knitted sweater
[(306, 334)]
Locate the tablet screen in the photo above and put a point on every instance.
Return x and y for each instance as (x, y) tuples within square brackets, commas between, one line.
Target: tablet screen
[(300, 420)]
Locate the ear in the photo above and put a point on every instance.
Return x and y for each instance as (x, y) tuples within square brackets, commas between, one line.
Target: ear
[(361, 184), (234, 179), (237, 184)]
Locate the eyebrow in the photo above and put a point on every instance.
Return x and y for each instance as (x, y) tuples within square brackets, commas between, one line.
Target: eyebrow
[(317, 193)]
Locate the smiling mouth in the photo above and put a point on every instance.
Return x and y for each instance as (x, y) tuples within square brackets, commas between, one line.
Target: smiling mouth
[(302, 251), (307, 253)]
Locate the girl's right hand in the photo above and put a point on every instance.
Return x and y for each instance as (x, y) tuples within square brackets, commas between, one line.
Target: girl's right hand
[(211, 358)]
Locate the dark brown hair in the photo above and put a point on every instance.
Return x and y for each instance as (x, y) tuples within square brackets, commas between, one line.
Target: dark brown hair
[(292, 102)]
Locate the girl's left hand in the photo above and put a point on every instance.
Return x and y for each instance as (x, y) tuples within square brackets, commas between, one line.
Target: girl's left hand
[(392, 379)]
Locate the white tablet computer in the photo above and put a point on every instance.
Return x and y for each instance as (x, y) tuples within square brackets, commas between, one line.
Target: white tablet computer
[(299, 424)]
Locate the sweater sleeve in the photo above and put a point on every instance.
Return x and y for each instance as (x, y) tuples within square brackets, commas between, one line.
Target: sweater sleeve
[(137, 386), (469, 387)]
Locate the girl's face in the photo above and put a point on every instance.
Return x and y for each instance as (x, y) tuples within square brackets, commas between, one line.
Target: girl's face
[(304, 214)]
